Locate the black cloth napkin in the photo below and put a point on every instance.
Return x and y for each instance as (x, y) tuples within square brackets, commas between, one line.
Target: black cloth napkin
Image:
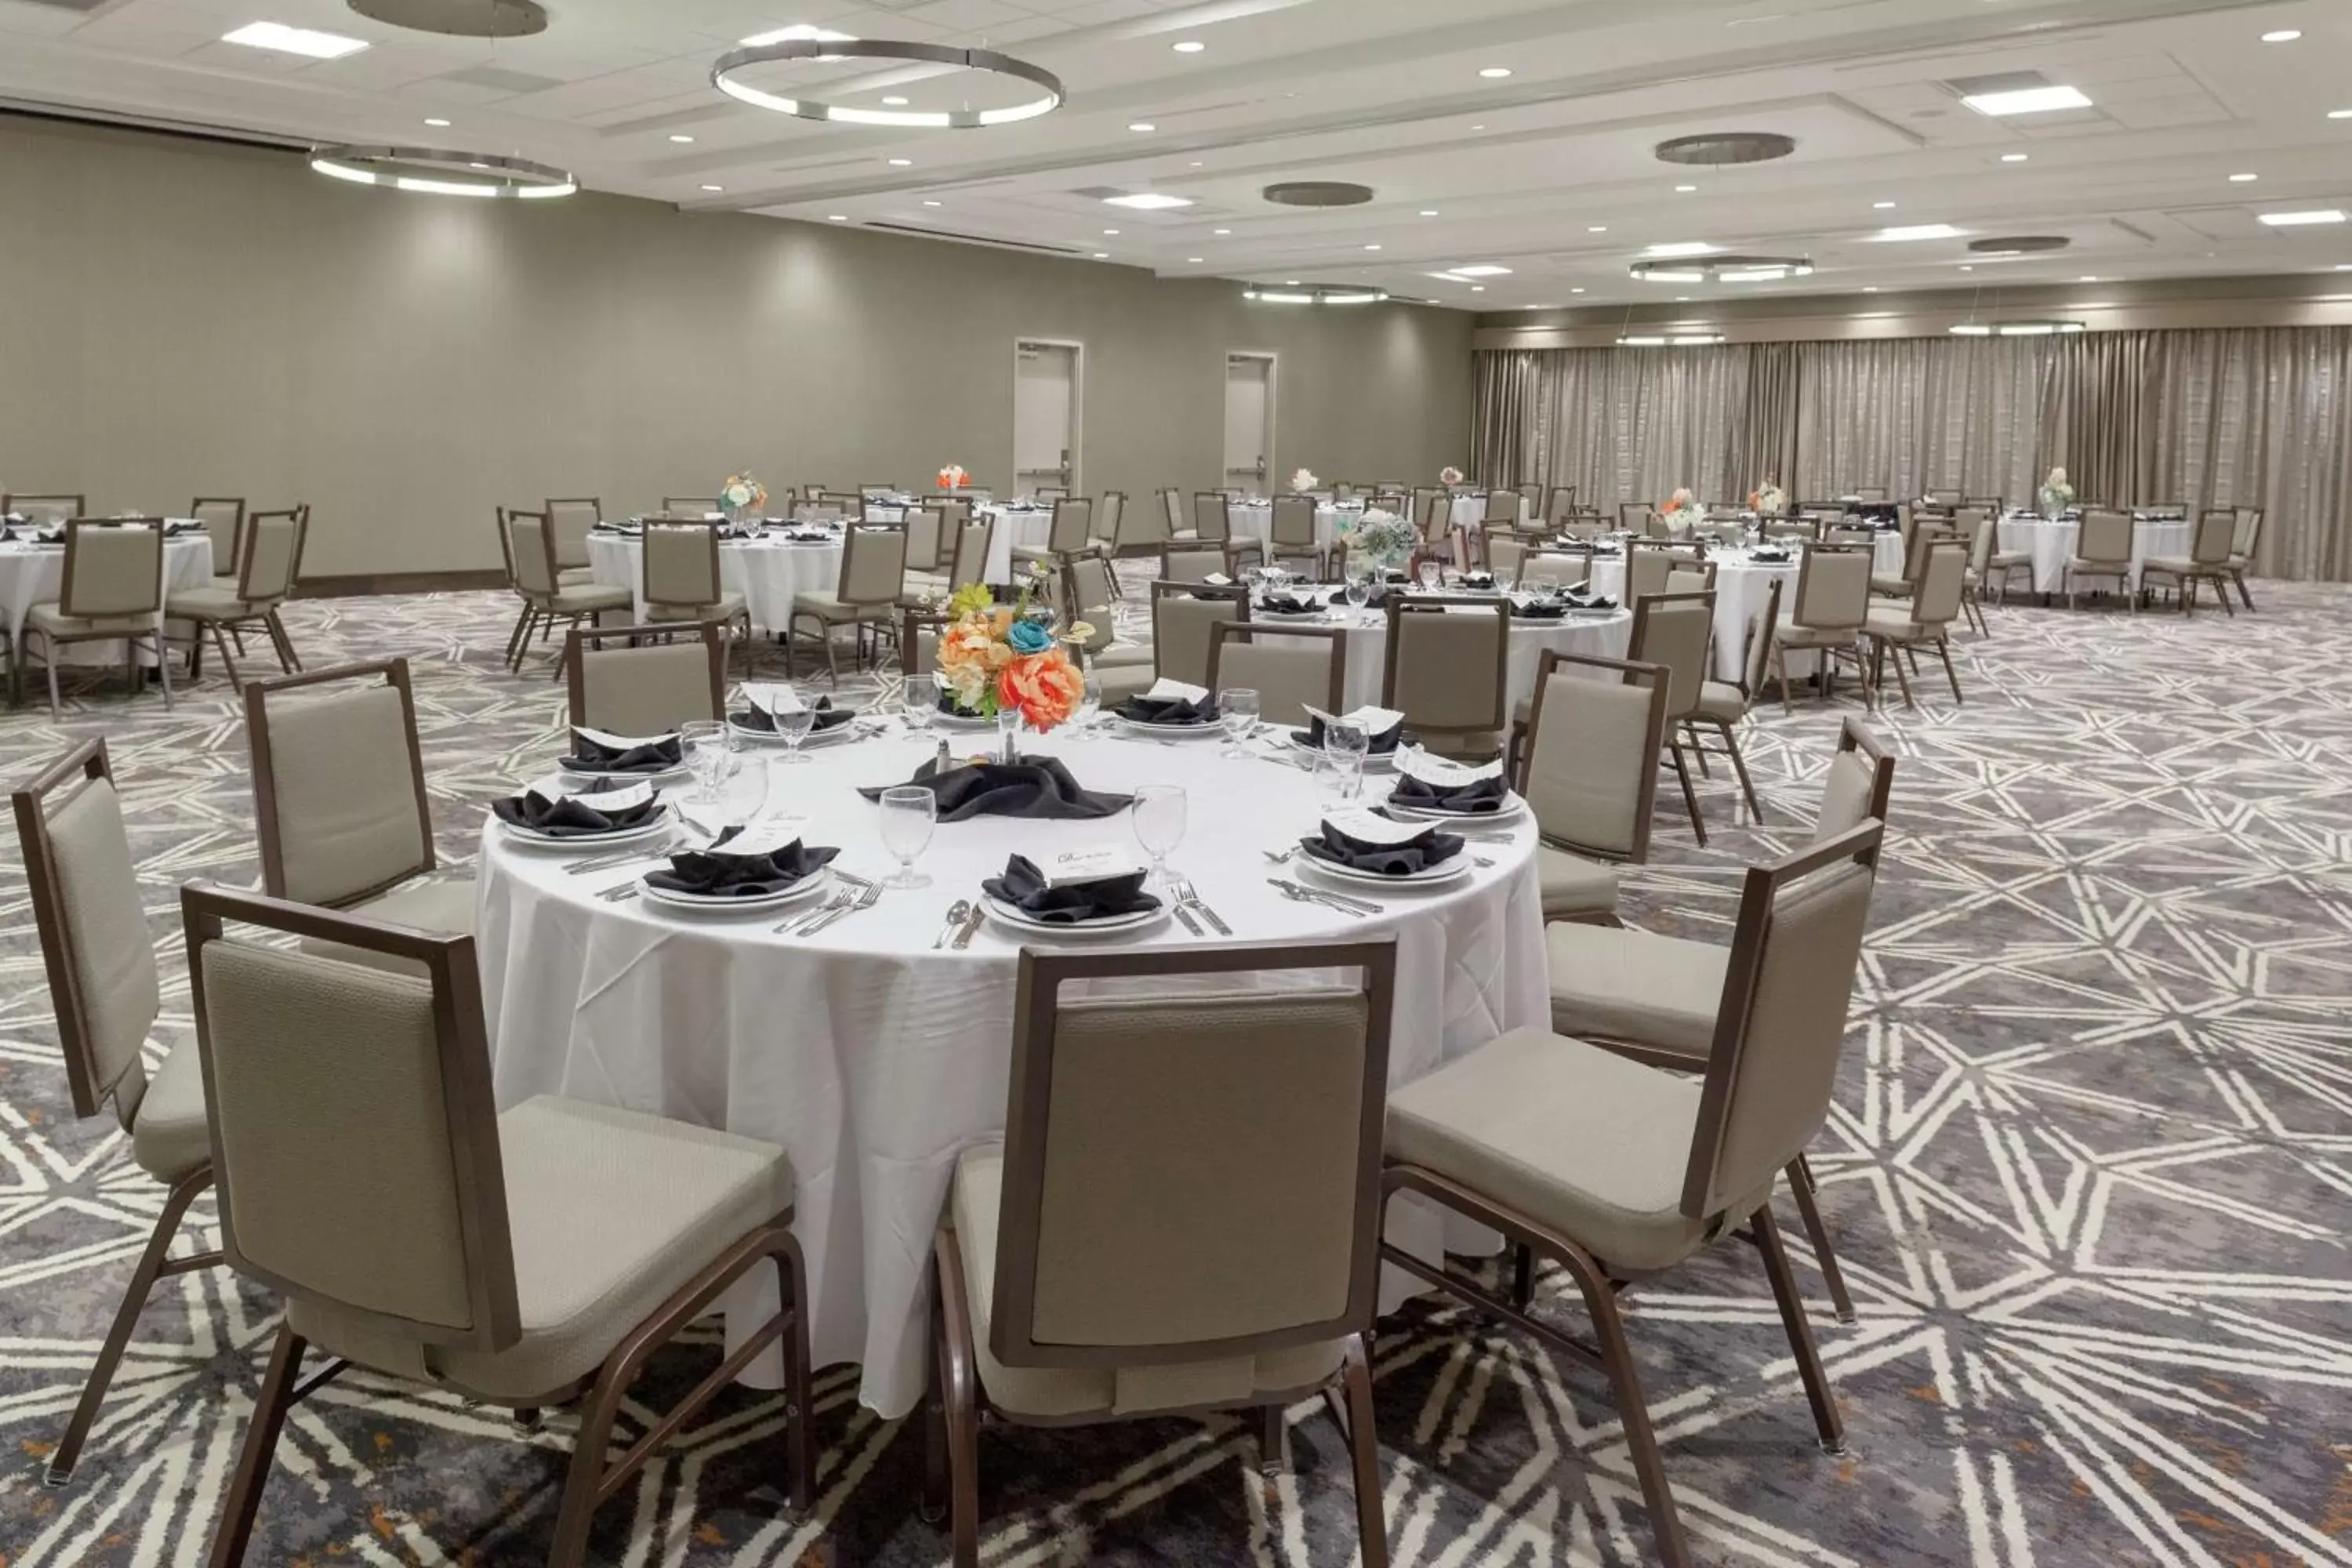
[(1383, 744), (1417, 854), (1475, 798), (595, 757), (1169, 710), (713, 873), (567, 818), (827, 717), (1477, 579), (1590, 602), (1039, 788), (808, 536), (1767, 556), (1539, 610), (1291, 605), (1022, 885)]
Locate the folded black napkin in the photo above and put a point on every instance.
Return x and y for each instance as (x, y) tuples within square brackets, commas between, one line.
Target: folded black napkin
[(1023, 886), (1383, 744), (1576, 601), (1539, 610), (828, 717), (1291, 605), (1416, 854), (1475, 798), (713, 873), (1039, 788), (1604, 550), (1169, 710), (566, 817), (808, 536), (175, 527), (1767, 556), (1477, 579), (595, 757)]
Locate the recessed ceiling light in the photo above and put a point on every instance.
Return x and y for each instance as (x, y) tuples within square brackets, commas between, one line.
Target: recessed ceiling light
[(1148, 201), (714, 188), (1429, 212), (680, 136), (1870, 287), (836, 217), (438, 122), (1196, 162), (1220, 231), (929, 202), (1188, 45), (1495, 73), (1681, 247), (1965, 267), (1478, 287), (1682, 299), (1918, 231), (1477, 128), (2298, 220), (1112, 233), (2282, 35), (1102, 255), (1881, 207), (2344, 267), (1596, 228), (1142, 125), (2015, 157), (797, 31), (2243, 179), (902, 163), (1290, 282), (288, 40), (1371, 248), (1193, 260), (2339, 114), (895, 100), (1576, 291), (1684, 190), (2086, 279), (2028, 100), (1481, 269)]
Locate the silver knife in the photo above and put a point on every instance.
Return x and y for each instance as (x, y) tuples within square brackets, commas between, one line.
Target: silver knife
[(1210, 915), (964, 934)]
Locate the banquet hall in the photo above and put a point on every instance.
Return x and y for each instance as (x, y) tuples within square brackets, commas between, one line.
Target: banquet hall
[(903, 783)]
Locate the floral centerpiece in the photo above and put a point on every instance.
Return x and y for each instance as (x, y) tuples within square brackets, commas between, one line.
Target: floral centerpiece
[(1768, 499), (2057, 495), (1683, 507), (996, 660), (1375, 537), (1449, 475), (954, 477), (1305, 480), (742, 497)]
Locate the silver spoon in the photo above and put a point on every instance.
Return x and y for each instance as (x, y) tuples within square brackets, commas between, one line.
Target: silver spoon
[(958, 912)]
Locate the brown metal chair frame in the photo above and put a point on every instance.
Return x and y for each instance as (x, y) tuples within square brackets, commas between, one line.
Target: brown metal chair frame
[(1523, 750), (1758, 629), (53, 641), (580, 641), (1400, 605), (1634, 643), (266, 622), (1335, 638), (265, 787)]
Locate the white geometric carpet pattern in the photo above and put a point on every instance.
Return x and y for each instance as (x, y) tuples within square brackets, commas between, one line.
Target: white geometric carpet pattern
[(2089, 1169)]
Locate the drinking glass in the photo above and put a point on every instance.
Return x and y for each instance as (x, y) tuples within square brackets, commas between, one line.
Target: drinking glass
[(909, 813), (1359, 589), (711, 750), (1431, 574), (920, 700), (1159, 818), (1504, 582), (1238, 705), (1347, 742), (794, 728)]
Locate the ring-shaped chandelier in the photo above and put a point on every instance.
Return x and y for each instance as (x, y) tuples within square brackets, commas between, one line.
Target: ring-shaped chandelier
[(2017, 327), (1723, 268), (723, 77), (1313, 294), (433, 171)]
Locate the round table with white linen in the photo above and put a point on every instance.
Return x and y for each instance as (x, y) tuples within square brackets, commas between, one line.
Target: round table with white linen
[(767, 572), (1741, 588), (1605, 632), (33, 574), (2052, 544), (872, 1058)]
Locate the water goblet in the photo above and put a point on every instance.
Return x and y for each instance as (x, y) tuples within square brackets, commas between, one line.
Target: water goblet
[(1433, 574), (1158, 816), (1347, 742), (708, 748), (1359, 589), (909, 814), (1504, 581), (1238, 706), (794, 728)]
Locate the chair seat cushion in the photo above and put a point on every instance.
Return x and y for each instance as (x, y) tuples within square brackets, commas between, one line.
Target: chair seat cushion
[(2108, 568), (209, 604), (1573, 886), (575, 577), (1052, 1391), (2181, 566), (1788, 634), (590, 598), (2002, 559), (1895, 623), (1635, 985), (825, 607), (437, 906), (169, 1136), (1591, 1144), (1121, 655), (1721, 699), (725, 608), (1890, 587), (611, 1212), (48, 619)]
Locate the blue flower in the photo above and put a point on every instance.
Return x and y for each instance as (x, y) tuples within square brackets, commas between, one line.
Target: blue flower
[(1028, 637)]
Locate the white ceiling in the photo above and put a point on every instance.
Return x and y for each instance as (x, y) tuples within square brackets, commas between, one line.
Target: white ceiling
[(1523, 172)]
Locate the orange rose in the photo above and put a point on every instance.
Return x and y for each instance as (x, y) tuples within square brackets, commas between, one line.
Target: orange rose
[(1045, 687)]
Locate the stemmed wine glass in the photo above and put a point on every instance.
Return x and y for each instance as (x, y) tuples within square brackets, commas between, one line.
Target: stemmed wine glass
[(909, 813), (1433, 574), (1238, 706), (794, 728), (1359, 590), (1159, 820)]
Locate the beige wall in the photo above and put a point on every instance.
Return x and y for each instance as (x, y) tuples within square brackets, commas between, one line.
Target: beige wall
[(181, 318)]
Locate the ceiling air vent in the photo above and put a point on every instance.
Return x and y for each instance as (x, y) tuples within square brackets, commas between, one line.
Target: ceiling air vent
[(1317, 194), (498, 78), (68, 4), (918, 230), (1721, 147), (458, 18), (2019, 244)]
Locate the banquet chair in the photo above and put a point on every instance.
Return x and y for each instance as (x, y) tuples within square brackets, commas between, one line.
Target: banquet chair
[(692, 506), (2103, 547), (44, 510), (1070, 535), (640, 680), (1103, 522), (1583, 522), (1502, 508), (1291, 535), (223, 520), (969, 564), (1213, 519), (106, 992), (338, 797), (1505, 554), (112, 592), (1532, 495), (570, 520), (928, 527), (1447, 669), (919, 631), (1049, 492), (1650, 563), (1618, 1171), (1989, 563), (2208, 561), (2242, 545), (1789, 528), (1555, 568), (1690, 577), (1560, 506), (1946, 499), (1101, 1263), (679, 580), (845, 503), (547, 599), (1184, 616), (1722, 704), (1672, 631), (1418, 507), (1182, 561), (1175, 525), (271, 557), (1289, 667), (1832, 601), (525, 1257), (1089, 594), (873, 568), (1592, 778), (1435, 519), (1924, 619), (1869, 493)]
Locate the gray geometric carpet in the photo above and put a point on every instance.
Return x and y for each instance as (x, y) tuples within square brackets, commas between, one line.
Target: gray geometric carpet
[(2090, 1168)]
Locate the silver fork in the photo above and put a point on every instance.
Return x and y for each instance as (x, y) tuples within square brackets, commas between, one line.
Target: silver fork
[(869, 895), (1187, 898), (806, 920)]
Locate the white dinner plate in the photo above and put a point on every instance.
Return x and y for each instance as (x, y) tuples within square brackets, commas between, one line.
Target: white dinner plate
[(1512, 809), (1452, 870), (948, 721), (802, 891), (1005, 915), (1170, 731), (667, 775), (813, 738), (1292, 617), (528, 838), (1374, 762)]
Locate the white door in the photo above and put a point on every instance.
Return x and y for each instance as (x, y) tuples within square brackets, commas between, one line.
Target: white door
[(1249, 421), (1045, 399)]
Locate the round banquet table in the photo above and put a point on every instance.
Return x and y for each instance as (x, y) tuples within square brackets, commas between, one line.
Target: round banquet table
[(1742, 587), (871, 1058), (2052, 544), (1605, 634), (33, 574), (767, 572)]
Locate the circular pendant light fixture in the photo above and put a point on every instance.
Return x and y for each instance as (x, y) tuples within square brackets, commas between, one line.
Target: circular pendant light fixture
[(2024, 327), (458, 18), (1687, 340), (1723, 268), (725, 75), (1313, 294), (433, 171)]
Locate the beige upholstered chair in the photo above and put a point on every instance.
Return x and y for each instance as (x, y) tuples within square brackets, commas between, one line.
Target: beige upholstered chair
[(1436, 521), (968, 563), (1560, 506), (1183, 618), (530, 554), (1925, 620), (223, 520), (106, 993), (526, 1257), (1175, 523), (1555, 568), (1506, 555), (1672, 631), (873, 490), (1446, 669), (1831, 604), (1069, 534), (2243, 544), (1989, 564), (872, 567), (919, 642), (338, 797), (1502, 508), (1618, 1171), (1589, 773), (1792, 527), (1722, 704), (112, 592), (2208, 561), (2103, 548), (1648, 565), (1869, 493), (1086, 591), (680, 581), (694, 506), (648, 689), (44, 510), (570, 520), (1099, 1264), (930, 528), (271, 559), (1185, 561), (1946, 499), (1291, 535), (1289, 667), (1212, 520)]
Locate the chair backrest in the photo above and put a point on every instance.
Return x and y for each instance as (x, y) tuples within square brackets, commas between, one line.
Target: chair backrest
[(1757, 657), (1171, 511), (1195, 1176), (1781, 1021), (1690, 577), (973, 541), (1943, 577), (1182, 618), (44, 510), (648, 690), (271, 555), (2106, 537), (1589, 769), (1050, 492), (2217, 533), (926, 526), (1983, 535), (1946, 498), (337, 783), (1870, 492), (1504, 552), (842, 502), (1436, 515), (679, 566), (1561, 504), (573, 517), (531, 551), (1289, 667), (2250, 531), (872, 563), (919, 642), (1183, 561), (1072, 526), (1792, 527), (1670, 630), (1647, 568), (1503, 507), (1293, 522), (1557, 568), (223, 520), (1089, 594), (1109, 517), (1857, 534), (1858, 784), (1447, 662), (114, 570), (103, 984), (1662, 524), (1419, 507), (1833, 590), (867, 488), (689, 506), (1212, 515), (354, 1130)]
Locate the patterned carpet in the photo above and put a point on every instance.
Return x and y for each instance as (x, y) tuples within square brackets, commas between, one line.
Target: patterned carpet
[(2090, 1164)]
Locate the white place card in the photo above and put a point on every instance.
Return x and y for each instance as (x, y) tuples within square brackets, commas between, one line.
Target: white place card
[(1368, 826), (1168, 689), (760, 837), (1442, 773), (1218, 579), (1375, 722), (620, 742), (606, 801), (772, 696), (1097, 863)]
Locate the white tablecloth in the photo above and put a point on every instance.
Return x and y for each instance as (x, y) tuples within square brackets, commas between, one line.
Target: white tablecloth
[(1367, 645), (1741, 588), (1255, 519), (32, 573), (766, 572), (2052, 545), (871, 1058)]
